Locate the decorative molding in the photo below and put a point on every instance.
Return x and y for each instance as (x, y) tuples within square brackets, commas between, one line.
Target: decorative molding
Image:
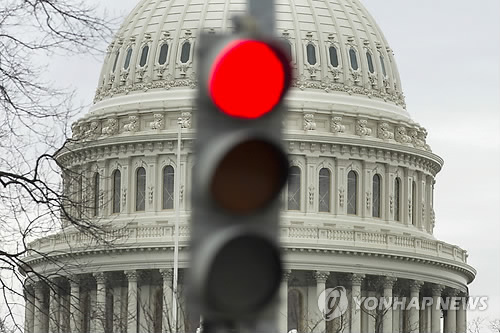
[(157, 123), (185, 120), (401, 135), (362, 128), (309, 124), (133, 125), (336, 125), (384, 131)]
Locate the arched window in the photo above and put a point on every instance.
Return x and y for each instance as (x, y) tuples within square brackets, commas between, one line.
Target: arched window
[(294, 188), (185, 52), (140, 191), (117, 185), (370, 62), (162, 59), (324, 190), (334, 57), (144, 56), (382, 63), (311, 54), (414, 203), (354, 59), (288, 49), (168, 187), (157, 311), (376, 196), (352, 192), (85, 312), (128, 57), (96, 194), (116, 60), (295, 310), (397, 199)]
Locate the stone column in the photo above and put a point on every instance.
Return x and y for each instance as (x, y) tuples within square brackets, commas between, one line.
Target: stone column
[(387, 316), (356, 280), (167, 320), (132, 277), (371, 313), (283, 303), (414, 305), (450, 325), (29, 309), (74, 305), (321, 278), (100, 310), (396, 314), (462, 314), (436, 308), (39, 320), (53, 307)]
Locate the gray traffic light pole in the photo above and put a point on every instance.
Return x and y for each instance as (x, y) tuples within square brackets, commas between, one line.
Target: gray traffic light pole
[(263, 12)]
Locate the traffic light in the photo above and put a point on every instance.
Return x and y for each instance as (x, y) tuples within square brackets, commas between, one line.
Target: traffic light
[(239, 173)]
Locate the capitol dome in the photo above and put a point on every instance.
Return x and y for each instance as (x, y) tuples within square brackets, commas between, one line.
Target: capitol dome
[(358, 208)]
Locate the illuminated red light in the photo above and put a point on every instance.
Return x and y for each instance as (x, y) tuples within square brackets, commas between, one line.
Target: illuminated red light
[(248, 79)]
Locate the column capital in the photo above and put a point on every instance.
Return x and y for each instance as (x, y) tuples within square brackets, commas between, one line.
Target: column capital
[(437, 290), (452, 292), (100, 277), (286, 274), (321, 276), (356, 279), (74, 280), (415, 285), (132, 276), (166, 273), (388, 282)]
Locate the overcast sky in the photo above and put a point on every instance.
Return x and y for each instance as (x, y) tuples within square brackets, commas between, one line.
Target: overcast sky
[(448, 56)]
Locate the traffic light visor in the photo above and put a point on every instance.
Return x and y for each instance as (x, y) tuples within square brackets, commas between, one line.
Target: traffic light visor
[(248, 78)]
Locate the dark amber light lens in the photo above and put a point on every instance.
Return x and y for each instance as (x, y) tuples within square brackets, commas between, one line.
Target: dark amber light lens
[(247, 79), (249, 176)]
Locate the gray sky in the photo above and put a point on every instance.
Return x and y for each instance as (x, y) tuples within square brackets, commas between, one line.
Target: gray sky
[(448, 56)]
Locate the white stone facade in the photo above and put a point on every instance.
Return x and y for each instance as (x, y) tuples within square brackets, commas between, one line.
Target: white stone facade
[(372, 235)]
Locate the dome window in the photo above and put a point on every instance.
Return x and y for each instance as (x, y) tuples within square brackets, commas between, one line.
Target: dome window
[(414, 203), (185, 52), (288, 50), (397, 199), (352, 193), (140, 190), (294, 188), (354, 59), (334, 58), (162, 59), (376, 196), (324, 190), (311, 54), (370, 62), (168, 187), (295, 309), (117, 183), (116, 60), (382, 63), (128, 57), (144, 56), (96, 194)]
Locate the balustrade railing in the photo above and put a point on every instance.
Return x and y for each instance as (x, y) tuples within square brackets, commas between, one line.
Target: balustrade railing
[(303, 236)]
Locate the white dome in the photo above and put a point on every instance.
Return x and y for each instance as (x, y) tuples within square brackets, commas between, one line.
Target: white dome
[(321, 34)]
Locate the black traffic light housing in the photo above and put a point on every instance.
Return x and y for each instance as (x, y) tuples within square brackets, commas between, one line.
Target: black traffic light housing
[(240, 170)]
